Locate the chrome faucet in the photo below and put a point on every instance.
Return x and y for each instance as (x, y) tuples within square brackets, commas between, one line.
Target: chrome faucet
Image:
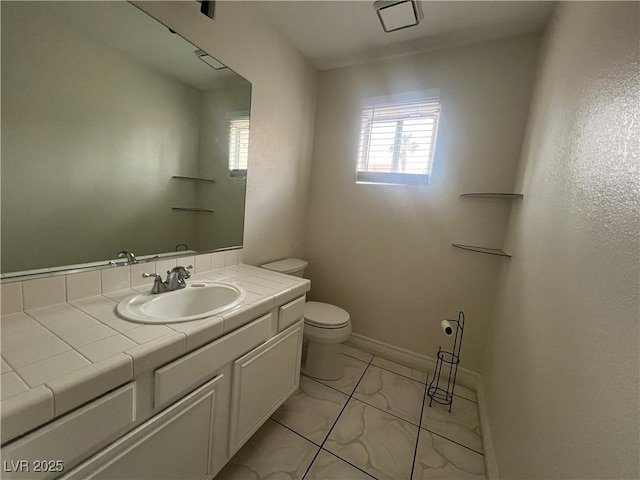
[(131, 258), (175, 280)]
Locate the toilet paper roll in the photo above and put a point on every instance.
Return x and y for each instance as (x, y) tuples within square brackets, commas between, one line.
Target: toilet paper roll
[(447, 328)]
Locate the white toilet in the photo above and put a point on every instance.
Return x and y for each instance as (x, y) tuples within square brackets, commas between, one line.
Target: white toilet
[(325, 328)]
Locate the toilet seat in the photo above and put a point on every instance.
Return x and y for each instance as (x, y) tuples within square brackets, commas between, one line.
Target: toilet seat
[(324, 315)]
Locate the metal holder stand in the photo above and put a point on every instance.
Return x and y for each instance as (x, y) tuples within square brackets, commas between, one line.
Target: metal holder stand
[(450, 361)]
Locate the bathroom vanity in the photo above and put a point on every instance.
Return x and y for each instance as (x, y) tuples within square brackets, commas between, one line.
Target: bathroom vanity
[(176, 406)]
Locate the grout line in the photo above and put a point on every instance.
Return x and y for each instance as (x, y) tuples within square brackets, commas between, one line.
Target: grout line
[(338, 417), (346, 461), (386, 412), (447, 438), (452, 441), (292, 430), (415, 451)]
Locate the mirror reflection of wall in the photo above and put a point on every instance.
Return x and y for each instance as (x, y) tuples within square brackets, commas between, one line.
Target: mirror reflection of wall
[(101, 107)]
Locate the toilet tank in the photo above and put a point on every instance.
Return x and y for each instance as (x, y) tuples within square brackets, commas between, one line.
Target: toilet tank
[(290, 266)]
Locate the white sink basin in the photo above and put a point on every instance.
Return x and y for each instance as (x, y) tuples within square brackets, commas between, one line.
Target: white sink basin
[(197, 300)]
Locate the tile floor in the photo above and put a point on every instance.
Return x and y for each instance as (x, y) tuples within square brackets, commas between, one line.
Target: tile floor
[(372, 423)]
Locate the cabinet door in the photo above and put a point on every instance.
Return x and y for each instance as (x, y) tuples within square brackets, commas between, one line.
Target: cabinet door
[(176, 443), (262, 380)]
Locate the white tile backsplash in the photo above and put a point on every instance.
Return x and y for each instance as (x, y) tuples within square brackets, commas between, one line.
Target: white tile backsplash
[(203, 263), (83, 285), (138, 270), (217, 260), (43, 292), (230, 257), (11, 297), (115, 278), (163, 266)]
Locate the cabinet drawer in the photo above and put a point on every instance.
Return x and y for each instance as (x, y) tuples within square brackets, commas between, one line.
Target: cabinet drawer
[(291, 313), (73, 437), (262, 380), (183, 375), (176, 443)]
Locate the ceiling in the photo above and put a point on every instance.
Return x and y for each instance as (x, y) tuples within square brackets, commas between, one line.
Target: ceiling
[(122, 27), (332, 34)]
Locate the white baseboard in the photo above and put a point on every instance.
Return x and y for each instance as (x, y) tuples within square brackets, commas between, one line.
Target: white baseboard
[(465, 377), (490, 463)]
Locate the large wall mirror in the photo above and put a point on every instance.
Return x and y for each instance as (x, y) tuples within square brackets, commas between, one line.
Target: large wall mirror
[(117, 134)]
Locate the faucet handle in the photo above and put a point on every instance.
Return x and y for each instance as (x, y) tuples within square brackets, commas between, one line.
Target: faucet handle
[(158, 285)]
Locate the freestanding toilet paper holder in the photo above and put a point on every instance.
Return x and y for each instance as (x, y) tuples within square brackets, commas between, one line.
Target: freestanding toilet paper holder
[(450, 361)]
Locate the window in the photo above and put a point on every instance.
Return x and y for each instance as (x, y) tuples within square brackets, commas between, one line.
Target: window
[(397, 142), (238, 145)]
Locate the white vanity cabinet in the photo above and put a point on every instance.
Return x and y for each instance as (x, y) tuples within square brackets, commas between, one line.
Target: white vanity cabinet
[(50, 450), (262, 380), (207, 404), (177, 443)]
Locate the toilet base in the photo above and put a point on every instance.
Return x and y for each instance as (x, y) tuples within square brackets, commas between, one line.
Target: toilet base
[(322, 361)]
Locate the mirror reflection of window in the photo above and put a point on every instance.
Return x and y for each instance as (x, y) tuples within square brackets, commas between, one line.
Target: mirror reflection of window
[(238, 144)]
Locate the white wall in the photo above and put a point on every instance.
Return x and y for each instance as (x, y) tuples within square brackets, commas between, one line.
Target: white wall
[(282, 117), (384, 252), (561, 370)]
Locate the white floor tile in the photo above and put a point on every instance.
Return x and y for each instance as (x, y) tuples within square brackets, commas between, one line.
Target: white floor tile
[(462, 425), (400, 369), (376, 442), (312, 410), (439, 458), (327, 466), (353, 370), (392, 393), (273, 452)]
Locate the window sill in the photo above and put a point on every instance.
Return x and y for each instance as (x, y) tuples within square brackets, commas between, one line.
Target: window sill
[(387, 178)]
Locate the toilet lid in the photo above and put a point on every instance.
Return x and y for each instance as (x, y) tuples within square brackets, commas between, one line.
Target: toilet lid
[(324, 315)]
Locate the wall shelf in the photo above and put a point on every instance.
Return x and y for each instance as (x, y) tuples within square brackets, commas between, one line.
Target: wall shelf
[(192, 209), (485, 250), (504, 196), (197, 179)]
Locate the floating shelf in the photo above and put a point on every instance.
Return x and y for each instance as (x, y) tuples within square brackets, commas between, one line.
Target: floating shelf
[(192, 209), (486, 250), (504, 196), (197, 179)]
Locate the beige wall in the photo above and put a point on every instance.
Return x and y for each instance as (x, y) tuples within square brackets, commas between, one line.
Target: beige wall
[(561, 370), (384, 252), (282, 117)]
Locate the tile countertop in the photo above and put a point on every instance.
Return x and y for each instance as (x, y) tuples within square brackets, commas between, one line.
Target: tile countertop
[(58, 357)]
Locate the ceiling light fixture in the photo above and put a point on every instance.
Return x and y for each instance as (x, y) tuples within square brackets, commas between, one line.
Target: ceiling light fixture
[(398, 14)]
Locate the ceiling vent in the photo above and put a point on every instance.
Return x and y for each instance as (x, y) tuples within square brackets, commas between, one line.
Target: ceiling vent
[(398, 14)]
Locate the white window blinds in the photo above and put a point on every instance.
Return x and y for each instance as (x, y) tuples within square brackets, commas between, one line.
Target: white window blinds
[(238, 143), (397, 142)]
